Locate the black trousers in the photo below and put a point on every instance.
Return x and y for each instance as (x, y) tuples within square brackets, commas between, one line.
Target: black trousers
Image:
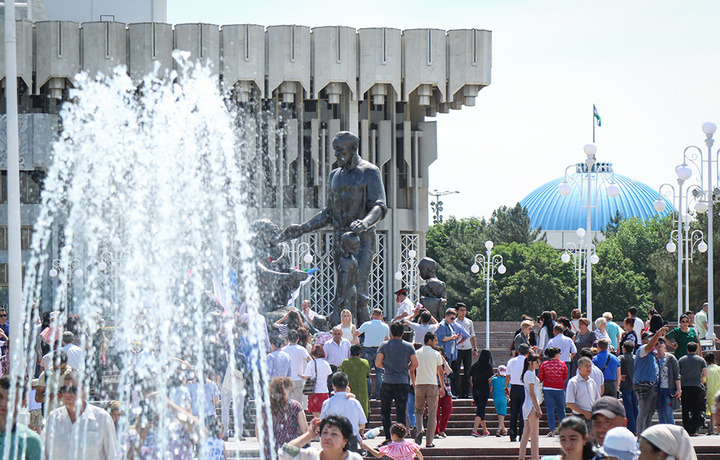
[(517, 398), (693, 408), (464, 358), (390, 392)]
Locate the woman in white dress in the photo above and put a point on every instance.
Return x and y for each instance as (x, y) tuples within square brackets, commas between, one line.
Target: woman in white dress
[(531, 408), (347, 326)]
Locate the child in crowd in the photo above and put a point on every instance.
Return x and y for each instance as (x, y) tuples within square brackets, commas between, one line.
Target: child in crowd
[(399, 448), (497, 385), (214, 445)]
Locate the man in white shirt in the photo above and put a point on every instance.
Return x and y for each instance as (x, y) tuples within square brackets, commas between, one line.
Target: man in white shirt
[(581, 391), (299, 358), (467, 350), (79, 430), (639, 324), (565, 344), (701, 322), (75, 354), (337, 350), (350, 408), (596, 374), (426, 377), (515, 390), (405, 305), (376, 332)]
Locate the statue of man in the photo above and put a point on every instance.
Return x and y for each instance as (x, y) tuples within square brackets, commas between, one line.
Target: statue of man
[(355, 203)]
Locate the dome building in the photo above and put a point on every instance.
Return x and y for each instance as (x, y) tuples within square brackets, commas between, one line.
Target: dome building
[(561, 216)]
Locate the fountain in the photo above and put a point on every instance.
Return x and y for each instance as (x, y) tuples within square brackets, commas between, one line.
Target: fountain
[(158, 171)]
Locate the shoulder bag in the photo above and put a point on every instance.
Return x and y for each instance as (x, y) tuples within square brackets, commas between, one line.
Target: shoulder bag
[(309, 387)]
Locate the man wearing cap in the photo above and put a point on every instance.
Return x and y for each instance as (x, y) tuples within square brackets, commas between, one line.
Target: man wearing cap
[(515, 389), (376, 332), (405, 305), (607, 413), (645, 378)]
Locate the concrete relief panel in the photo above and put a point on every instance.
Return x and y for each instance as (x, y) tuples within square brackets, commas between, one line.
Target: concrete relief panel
[(289, 62), (203, 43), (57, 51), (24, 50), (334, 61), (425, 64), (380, 62), (104, 47), (243, 56), (469, 59), (150, 45)]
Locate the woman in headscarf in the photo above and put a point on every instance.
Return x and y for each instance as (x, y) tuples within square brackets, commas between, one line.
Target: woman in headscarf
[(666, 442)]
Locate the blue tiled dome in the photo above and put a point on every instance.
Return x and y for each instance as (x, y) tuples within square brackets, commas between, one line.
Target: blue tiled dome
[(552, 211)]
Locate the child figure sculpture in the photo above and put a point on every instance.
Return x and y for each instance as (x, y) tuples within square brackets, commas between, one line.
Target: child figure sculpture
[(346, 293), (432, 293)]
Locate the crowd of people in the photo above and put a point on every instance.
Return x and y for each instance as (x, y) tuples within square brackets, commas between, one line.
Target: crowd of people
[(612, 379)]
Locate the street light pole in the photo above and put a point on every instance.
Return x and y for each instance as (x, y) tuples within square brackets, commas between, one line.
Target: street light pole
[(437, 204), (578, 261), (408, 268), (593, 177), (489, 264)]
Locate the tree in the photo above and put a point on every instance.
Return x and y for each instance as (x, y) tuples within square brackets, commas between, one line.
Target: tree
[(612, 227), (511, 225), (536, 280)]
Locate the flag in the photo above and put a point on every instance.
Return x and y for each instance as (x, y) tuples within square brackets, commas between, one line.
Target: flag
[(596, 115)]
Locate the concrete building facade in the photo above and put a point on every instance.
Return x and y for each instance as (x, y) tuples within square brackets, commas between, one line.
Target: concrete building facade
[(296, 86)]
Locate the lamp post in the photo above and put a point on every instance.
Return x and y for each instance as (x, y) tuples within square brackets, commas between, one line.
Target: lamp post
[(67, 269), (437, 204), (489, 264), (577, 254), (706, 195), (111, 259), (677, 236), (589, 177), (408, 268), (297, 250)]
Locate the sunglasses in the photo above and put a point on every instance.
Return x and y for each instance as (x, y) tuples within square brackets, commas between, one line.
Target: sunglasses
[(3, 316), (69, 390)]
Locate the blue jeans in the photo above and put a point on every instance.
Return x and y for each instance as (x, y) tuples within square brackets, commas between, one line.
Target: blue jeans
[(370, 353), (665, 411), (411, 410), (631, 409), (555, 405)]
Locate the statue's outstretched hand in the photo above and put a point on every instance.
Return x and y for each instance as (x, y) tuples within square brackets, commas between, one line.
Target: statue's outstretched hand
[(292, 231), (358, 226)]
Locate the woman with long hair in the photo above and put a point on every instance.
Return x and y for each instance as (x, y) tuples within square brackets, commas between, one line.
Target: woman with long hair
[(480, 374), (291, 321), (546, 330), (288, 417), (319, 369), (574, 440), (347, 326), (553, 374), (531, 408)]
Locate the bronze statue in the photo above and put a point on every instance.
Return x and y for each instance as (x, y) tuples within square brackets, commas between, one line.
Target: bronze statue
[(355, 202), (432, 293)]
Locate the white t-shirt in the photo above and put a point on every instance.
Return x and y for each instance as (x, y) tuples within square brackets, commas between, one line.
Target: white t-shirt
[(298, 359), (638, 327), (515, 368), (529, 378), (323, 371), (565, 344)]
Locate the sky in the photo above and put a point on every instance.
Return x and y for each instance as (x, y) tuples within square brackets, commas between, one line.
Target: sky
[(652, 68)]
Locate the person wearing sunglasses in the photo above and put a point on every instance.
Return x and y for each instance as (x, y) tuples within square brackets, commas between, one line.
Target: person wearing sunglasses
[(79, 430), (678, 338)]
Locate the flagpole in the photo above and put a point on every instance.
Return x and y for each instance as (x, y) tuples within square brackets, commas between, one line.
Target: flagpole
[(593, 122)]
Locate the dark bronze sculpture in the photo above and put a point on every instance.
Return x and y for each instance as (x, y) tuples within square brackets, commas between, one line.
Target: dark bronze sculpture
[(355, 202), (432, 293)]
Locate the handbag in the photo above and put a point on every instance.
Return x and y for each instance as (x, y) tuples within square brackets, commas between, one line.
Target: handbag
[(309, 387)]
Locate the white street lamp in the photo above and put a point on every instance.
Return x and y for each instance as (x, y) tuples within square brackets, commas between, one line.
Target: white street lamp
[(66, 270), (707, 195), (110, 265), (576, 253), (409, 269), (589, 176), (489, 264)]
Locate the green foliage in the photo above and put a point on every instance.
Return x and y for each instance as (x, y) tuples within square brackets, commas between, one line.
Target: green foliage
[(508, 225)]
